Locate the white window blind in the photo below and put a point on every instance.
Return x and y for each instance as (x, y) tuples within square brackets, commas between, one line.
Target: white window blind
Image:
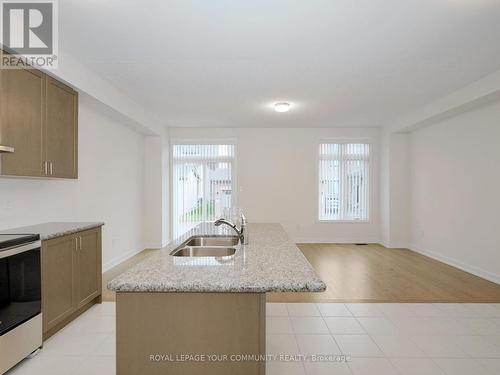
[(344, 181), (202, 183)]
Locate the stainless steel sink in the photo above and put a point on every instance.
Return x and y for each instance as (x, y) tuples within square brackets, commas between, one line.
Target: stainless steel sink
[(204, 246), (213, 241), (204, 251)]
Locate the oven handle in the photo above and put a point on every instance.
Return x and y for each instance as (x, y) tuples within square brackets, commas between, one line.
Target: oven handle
[(20, 249)]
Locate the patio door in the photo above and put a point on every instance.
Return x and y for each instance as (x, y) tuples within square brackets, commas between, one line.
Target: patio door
[(202, 183)]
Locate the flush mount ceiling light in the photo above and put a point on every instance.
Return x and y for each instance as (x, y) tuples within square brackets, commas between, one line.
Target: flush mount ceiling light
[(282, 107)]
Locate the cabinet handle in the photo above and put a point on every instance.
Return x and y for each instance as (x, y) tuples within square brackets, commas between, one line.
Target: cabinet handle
[(51, 168), (76, 243), (46, 167), (80, 242)]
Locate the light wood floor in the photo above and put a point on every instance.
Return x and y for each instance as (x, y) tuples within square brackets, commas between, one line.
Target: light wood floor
[(109, 295), (371, 273)]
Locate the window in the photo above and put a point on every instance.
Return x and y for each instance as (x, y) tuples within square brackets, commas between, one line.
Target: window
[(344, 181), (202, 183)]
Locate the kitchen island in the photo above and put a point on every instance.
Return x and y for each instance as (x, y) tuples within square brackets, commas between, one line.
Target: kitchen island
[(205, 314)]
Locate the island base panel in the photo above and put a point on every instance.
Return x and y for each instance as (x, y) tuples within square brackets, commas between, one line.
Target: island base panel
[(155, 331)]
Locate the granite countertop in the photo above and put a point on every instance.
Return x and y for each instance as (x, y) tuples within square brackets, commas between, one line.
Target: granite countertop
[(269, 263), (54, 229)]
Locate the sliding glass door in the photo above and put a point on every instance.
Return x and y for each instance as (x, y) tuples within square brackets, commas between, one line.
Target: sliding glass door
[(202, 183)]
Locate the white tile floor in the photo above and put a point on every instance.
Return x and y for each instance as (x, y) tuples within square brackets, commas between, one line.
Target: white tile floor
[(387, 339)]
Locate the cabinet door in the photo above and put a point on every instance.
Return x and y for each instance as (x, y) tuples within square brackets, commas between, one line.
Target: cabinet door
[(89, 273), (21, 121), (61, 130), (58, 282)]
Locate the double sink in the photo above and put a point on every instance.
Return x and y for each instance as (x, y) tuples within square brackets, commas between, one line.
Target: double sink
[(205, 246)]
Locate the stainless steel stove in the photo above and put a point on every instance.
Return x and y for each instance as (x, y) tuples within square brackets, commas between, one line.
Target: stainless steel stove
[(20, 298)]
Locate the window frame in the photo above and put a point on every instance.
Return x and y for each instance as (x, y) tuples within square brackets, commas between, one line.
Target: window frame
[(367, 141), (182, 141)]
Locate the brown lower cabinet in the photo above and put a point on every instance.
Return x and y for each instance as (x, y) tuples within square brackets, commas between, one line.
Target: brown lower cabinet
[(71, 277)]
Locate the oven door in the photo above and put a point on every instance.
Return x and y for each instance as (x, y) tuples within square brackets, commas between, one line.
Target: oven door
[(20, 285)]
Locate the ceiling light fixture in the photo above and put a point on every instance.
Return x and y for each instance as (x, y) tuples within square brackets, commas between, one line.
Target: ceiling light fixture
[(282, 107)]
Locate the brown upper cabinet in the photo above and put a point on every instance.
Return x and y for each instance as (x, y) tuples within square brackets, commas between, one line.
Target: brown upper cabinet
[(39, 119), (22, 117), (61, 130)]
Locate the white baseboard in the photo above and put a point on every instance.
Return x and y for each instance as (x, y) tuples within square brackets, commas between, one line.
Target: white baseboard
[(392, 245), (108, 265), (458, 264)]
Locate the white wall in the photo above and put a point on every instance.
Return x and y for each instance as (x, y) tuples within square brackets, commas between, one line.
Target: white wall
[(395, 190), (109, 188), (156, 190), (385, 215), (277, 178), (400, 187), (152, 213), (455, 183), (165, 195)]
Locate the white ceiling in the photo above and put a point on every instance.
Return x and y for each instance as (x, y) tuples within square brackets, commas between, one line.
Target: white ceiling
[(339, 62)]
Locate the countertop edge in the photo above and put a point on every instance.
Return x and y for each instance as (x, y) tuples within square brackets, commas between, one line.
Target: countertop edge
[(71, 231), (46, 234), (125, 288)]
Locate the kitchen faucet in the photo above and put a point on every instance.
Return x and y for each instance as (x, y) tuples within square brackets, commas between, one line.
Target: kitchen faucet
[(242, 232)]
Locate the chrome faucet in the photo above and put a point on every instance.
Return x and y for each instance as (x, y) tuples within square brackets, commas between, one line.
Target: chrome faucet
[(242, 232)]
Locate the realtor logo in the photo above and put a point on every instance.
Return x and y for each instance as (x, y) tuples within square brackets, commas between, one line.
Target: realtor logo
[(29, 34)]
